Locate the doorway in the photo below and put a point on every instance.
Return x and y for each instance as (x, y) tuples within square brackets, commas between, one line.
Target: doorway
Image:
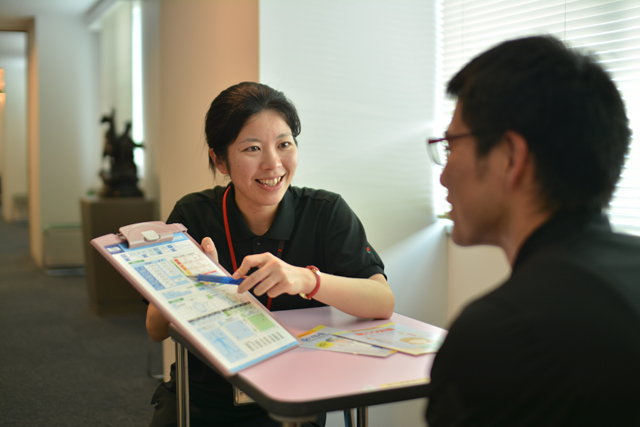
[(13, 127)]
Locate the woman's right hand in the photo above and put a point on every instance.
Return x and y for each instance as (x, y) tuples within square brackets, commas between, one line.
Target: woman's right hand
[(157, 325)]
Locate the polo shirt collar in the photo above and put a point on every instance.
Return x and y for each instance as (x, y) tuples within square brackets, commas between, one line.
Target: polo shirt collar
[(281, 228), (559, 227)]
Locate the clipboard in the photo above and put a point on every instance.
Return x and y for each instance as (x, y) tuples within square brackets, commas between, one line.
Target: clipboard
[(232, 331)]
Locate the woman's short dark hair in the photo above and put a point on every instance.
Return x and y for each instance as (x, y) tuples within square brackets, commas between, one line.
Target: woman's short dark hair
[(231, 109), (563, 103)]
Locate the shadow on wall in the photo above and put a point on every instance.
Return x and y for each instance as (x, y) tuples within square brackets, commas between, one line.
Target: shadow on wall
[(417, 273)]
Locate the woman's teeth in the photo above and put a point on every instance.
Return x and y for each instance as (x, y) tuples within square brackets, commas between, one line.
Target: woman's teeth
[(270, 182)]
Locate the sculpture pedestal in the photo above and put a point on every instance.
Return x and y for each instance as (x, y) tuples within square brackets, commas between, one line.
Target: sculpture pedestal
[(109, 292)]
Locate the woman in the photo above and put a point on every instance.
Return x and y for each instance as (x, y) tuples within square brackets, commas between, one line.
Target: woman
[(297, 247)]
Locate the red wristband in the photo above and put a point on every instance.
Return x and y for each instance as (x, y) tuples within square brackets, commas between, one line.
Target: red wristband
[(315, 290)]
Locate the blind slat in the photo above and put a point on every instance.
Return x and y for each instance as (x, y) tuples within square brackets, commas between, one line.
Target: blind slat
[(609, 29)]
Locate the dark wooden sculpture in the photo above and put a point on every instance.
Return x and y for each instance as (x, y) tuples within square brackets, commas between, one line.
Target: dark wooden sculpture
[(121, 179)]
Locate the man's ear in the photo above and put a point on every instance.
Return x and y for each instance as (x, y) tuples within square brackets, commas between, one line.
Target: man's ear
[(520, 167), (221, 165)]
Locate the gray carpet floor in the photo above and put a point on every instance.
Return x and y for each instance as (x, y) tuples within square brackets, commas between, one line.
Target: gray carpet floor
[(60, 364)]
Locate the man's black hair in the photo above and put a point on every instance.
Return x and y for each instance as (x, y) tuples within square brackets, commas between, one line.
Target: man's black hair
[(563, 103)]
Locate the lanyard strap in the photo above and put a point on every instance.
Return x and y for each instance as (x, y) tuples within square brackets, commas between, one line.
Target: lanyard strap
[(230, 243), (226, 230)]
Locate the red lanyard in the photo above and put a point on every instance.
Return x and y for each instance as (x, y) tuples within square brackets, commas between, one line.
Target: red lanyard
[(226, 230), (231, 251)]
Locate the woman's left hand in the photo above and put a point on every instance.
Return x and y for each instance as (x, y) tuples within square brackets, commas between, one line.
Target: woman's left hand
[(273, 276)]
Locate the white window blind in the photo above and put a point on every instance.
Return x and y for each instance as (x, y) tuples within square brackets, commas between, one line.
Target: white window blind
[(610, 29)]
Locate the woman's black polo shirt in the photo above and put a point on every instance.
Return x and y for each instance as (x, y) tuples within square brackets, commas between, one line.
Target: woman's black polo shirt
[(317, 227)]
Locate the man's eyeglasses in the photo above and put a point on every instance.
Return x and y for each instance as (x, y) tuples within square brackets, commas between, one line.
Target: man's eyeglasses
[(439, 147)]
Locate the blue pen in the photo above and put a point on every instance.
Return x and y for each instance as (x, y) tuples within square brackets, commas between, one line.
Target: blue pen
[(216, 279)]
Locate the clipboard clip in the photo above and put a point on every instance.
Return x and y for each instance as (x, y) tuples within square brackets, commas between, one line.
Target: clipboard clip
[(146, 233)]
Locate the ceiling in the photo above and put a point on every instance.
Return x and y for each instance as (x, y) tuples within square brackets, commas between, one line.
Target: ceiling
[(12, 43), (29, 8)]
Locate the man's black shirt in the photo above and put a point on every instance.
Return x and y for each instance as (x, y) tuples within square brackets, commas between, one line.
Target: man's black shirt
[(558, 344)]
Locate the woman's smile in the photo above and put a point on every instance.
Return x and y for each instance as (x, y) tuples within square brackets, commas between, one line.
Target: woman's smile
[(270, 182)]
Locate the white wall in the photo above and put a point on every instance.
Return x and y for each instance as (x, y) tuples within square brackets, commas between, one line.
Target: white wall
[(69, 141), (151, 92), (64, 138), (473, 271), (360, 74), (13, 152), (115, 64)]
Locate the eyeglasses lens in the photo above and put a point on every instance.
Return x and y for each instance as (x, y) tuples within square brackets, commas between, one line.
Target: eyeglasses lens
[(438, 152)]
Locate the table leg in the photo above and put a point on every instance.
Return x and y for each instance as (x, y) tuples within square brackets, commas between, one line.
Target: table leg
[(182, 380), (292, 421), (363, 416), (348, 418)]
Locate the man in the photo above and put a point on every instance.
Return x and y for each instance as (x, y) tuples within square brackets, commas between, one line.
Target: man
[(535, 148)]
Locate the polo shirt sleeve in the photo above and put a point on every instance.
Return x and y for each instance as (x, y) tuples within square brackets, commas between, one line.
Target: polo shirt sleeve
[(196, 212), (346, 248), (176, 216)]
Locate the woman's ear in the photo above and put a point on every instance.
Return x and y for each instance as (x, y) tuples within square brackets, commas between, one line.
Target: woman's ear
[(221, 165)]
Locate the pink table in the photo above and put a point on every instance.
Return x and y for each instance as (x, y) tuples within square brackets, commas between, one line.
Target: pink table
[(300, 383)]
